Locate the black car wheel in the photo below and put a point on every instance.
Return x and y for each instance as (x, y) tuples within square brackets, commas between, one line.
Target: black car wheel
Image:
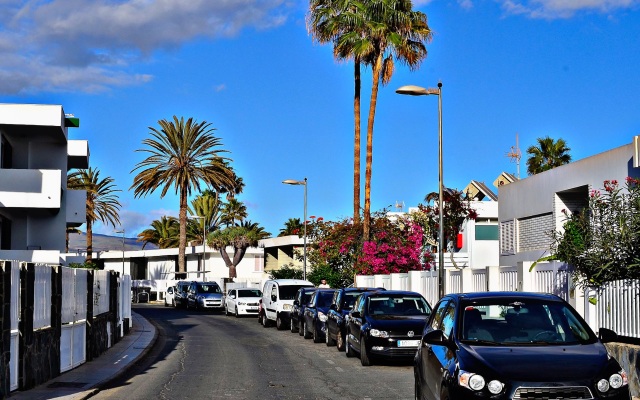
[(260, 318), (265, 321), (292, 327), (316, 334), (348, 350), (417, 393), (444, 394), (340, 341), (327, 338), (279, 323), (365, 357), (306, 334), (236, 313), (300, 327)]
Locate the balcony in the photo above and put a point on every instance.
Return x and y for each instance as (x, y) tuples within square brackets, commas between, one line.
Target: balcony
[(76, 201), (77, 154), (30, 188)]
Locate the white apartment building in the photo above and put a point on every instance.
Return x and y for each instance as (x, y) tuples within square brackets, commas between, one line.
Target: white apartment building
[(35, 205)]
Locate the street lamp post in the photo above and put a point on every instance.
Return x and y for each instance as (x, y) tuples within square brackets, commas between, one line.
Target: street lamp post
[(304, 248), (122, 231), (420, 91)]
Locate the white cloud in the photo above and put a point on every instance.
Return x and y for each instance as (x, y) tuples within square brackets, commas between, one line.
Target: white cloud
[(91, 45), (554, 9)]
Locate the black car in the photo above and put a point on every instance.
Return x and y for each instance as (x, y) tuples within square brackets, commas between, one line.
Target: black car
[(506, 345), (300, 301), (341, 304), (315, 315), (386, 324)]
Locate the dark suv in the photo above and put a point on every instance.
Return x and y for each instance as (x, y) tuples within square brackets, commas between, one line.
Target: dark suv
[(299, 303), (341, 304)]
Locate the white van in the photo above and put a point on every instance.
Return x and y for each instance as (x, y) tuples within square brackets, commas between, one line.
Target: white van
[(277, 300)]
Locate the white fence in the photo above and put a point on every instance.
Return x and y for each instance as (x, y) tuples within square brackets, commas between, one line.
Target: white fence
[(617, 306), (74, 298)]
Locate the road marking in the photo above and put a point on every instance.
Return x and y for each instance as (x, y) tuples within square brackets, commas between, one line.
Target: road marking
[(330, 362), (339, 369)]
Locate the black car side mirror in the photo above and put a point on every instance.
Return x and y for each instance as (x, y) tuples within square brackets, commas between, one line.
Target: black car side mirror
[(436, 337), (607, 335)]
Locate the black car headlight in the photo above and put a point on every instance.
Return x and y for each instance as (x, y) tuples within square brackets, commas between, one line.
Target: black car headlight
[(476, 382), (615, 381)]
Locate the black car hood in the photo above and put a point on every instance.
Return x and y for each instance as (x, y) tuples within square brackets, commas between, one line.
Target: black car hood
[(413, 323), (535, 363)]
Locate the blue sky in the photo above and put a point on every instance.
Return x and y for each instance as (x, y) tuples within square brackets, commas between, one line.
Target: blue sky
[(283, 106)]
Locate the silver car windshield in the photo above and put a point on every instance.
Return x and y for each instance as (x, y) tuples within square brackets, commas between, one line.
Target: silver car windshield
[(209, 289)]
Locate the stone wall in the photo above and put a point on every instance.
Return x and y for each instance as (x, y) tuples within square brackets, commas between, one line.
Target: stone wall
[(629, 358)]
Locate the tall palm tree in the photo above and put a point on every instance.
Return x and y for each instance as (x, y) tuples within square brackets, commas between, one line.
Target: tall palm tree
[(547, 154), (182, 155), (292, 227), (209, 206), (164, 233), (393, 30), (328, 21), (101, 204), (233, 211)]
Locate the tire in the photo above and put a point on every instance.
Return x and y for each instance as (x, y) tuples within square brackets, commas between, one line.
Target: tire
[(265, 321), (365, 358), (279, 323), (306, 335), (349, 352), (165, 303), (444, 394), (417, 393), (260, 318), (339, 341), (173, 303), (226, 310), (236, 313), (316, 334), (327, 338), (300, 327), (292, 328)]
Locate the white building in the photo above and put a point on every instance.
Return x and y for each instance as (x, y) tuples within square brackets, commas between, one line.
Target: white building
[(530, 208), (35, 205)]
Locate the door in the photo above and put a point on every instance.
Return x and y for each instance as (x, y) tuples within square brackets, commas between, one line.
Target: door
[(435, 359), (355, 323)]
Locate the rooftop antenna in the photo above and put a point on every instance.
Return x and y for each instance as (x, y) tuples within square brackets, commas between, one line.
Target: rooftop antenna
[(515, 155)]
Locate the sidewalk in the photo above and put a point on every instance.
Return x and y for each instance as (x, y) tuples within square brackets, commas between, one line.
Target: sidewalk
[(83, 381)]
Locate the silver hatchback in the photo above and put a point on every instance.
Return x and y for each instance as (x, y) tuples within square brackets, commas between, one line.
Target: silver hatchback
[(205, 295)]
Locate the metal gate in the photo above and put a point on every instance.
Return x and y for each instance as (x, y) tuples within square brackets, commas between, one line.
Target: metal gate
[(74, 318)]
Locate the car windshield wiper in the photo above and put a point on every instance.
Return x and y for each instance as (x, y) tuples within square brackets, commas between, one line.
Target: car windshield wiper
[(480, 341)]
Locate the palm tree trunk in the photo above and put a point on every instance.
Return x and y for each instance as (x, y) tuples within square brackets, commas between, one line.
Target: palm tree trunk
[(183, 230), (369, 161), (356, 142), (89, 241)]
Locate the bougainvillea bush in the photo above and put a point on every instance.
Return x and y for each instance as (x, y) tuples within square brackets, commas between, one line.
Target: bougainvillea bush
[(396, 245)]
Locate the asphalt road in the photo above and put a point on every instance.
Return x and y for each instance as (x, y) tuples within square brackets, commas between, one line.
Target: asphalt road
[(202, 355)]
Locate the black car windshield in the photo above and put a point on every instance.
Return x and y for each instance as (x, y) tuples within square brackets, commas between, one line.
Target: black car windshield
[(306, 296), (398, 305), (249, 293), (209, 289), (522, 322), (324, 299), (349, 299), (288, 292)]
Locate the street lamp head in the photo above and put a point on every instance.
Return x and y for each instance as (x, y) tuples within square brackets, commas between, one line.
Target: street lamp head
[(294, 182), (413, 90)]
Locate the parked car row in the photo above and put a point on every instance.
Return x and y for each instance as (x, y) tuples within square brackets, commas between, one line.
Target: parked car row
[(491, 345), (209, 296)]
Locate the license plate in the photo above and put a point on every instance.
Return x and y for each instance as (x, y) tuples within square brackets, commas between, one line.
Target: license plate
[(252, 308), (408, 343)]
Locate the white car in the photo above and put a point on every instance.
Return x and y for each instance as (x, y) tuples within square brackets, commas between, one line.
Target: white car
[(242, 301), (169, 300)]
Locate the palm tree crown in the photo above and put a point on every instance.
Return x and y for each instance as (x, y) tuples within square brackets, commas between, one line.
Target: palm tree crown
[(181, 155), (547, 154), (101, 204)]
